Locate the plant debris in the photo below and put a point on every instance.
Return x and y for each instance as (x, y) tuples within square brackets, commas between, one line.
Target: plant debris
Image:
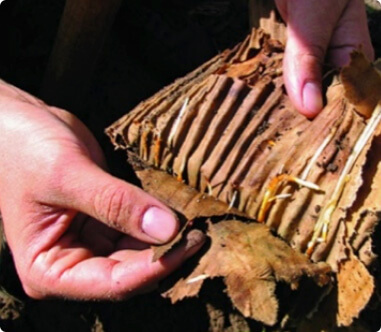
[(226, 141), (251, 261)]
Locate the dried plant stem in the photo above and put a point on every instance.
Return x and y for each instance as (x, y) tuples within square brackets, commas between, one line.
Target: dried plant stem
[(157, 150), (233, 200), (198, 278), (321, 227), (177, 122), (280, 196), (270, 194), (318, 152)]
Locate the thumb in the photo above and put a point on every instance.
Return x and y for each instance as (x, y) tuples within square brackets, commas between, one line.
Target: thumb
[(310, 25), (302, 75), (85, 187)]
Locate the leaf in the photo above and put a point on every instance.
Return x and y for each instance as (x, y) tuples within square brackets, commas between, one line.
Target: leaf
[(216, 142), (366, 210), (251, 260), (184, 199), (160, 250), (362, 83), (356, 287)]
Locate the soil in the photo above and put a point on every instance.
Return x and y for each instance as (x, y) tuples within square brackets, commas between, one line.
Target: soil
[(149, 46)]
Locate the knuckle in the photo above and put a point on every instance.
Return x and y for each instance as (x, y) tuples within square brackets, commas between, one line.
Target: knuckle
[(118, 294), (32, 287), (112, 205), (32, 293), (305, 50), (315, 52), (55, 166)]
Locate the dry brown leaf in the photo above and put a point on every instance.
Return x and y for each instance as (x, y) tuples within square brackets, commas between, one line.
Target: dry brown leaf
[(217, 142), (220, 131), (366, 211), (356, 287), (251, 260), (182, 198), (344, 302), (362, 83), (160, 250)]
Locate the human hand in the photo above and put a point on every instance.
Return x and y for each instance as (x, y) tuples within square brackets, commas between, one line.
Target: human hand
[(73, 229), (319, 31)]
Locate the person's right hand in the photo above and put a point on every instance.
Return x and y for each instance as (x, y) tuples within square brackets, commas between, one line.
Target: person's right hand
[(319, 31), (73, 229)]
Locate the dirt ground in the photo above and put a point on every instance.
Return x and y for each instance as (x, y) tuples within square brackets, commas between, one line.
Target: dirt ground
[(150, 45)]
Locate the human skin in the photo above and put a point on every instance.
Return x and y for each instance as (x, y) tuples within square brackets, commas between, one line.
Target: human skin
[(319, 32), (75, 230)]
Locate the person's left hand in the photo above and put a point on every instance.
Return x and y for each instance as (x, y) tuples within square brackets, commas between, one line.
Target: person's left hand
[(74, 230), (319, 31)]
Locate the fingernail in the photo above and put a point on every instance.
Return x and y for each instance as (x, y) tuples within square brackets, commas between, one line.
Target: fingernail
[(159, 224), (312, 99), (193, 242)]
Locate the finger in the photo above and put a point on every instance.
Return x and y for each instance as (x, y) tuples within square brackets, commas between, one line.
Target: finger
[(352, 33), (83, 186), (75, 274), (95, 235), (310, 25), (128, 242), (303, 80), (103, 240)]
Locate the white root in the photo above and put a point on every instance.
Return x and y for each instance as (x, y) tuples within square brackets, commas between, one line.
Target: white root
[(198, 278), (317, 154), (322, 225), (177, 122)]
